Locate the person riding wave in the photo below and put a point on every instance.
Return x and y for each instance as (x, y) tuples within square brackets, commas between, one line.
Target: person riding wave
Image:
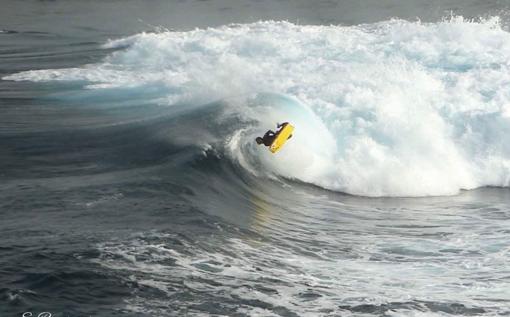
[(270, 135)]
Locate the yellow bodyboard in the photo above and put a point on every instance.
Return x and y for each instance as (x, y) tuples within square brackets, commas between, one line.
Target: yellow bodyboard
[(281, 138)]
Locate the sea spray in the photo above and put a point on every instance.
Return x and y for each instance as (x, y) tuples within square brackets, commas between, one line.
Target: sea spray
[(395, 108)]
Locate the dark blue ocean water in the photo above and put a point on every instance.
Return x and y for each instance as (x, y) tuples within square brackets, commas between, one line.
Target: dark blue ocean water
[(130, 184)]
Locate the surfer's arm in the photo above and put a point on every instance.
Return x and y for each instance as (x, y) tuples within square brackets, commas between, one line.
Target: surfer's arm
[(278, 125)]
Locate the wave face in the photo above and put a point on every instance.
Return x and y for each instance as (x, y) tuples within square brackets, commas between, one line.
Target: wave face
[(395, 108)]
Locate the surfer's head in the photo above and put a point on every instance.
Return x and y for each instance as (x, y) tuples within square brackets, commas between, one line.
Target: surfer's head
[(259, 140)]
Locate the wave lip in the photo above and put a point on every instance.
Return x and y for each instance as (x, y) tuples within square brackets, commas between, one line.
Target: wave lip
[(397, 108)]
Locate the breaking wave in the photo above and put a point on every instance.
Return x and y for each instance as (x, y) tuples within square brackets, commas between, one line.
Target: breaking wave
[(395, 108)]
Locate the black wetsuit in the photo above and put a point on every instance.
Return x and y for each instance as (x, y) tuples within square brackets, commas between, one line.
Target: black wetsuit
[(268, 138), (270, 135)]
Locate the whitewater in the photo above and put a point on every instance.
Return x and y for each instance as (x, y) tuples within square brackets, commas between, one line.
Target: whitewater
[(395, 108), (131, 184)]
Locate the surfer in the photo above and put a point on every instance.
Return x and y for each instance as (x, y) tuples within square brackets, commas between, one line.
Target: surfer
[(270, 135)]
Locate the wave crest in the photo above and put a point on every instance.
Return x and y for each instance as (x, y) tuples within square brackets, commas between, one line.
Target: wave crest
[(395, 108)]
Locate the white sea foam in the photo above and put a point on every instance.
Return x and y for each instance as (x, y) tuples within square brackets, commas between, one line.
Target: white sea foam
[(395, 108), (332, 263)]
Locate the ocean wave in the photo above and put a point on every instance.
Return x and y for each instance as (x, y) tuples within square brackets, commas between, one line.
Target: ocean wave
[(394, 108)]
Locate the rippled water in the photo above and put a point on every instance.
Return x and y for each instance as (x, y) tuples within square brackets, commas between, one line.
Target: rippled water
[(131, 185)]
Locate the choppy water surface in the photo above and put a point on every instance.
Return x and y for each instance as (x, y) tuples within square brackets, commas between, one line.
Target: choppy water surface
[(131, 185)]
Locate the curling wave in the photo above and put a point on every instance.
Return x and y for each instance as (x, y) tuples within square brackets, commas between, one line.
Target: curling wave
[(395, 108)]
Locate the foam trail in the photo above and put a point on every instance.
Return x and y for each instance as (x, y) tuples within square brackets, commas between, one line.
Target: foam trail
[(396, 108)]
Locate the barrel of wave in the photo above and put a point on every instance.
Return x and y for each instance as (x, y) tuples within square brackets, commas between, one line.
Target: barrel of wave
[(308, 154)]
